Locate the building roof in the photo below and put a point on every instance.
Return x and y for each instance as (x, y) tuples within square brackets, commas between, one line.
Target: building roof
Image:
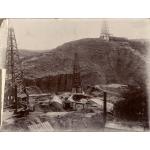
[(22, 95)]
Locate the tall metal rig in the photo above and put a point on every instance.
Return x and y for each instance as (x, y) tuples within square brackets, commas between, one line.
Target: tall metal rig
[(105, 31), (15, 87), (76, 79)]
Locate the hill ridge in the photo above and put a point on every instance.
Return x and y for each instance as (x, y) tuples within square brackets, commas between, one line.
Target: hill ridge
[(100, 61)]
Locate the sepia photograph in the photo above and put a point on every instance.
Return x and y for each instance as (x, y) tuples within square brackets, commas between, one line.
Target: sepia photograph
[(75, 75)]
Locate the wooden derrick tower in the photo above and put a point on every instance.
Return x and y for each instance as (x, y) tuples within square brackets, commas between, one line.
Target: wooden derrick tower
[(76, 79), (104, 31), (16, 95)]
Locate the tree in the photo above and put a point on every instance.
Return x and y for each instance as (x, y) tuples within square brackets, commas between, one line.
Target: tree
[(134, 106)]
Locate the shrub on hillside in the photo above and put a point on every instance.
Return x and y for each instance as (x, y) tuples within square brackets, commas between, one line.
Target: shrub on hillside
[(134, 105)]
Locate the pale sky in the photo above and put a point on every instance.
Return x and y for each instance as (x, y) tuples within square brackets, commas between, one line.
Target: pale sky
[(43, 34)]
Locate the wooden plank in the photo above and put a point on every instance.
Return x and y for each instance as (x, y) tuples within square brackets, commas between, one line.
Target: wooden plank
[(45, 126)]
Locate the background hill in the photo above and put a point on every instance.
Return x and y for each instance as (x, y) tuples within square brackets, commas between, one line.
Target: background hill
[(101, 62)]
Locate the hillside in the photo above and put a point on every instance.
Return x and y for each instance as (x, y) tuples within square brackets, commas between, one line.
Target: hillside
[(101, 62)]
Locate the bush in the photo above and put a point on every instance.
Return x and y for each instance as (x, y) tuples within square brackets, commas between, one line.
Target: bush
[(134, 105)]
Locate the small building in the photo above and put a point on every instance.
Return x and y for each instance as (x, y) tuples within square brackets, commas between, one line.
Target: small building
[(22, 97)]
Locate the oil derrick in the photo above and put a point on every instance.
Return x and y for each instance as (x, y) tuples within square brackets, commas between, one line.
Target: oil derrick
[(105, 31), (76, 79), (16, 95)]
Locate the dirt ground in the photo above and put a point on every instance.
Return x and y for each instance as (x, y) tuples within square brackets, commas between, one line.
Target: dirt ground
[(60, 121)]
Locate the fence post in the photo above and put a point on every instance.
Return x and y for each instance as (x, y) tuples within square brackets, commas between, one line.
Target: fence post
[(104, 109), (16, 98)]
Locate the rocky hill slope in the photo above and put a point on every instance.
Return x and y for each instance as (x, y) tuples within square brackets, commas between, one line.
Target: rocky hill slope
[(101, 62)]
